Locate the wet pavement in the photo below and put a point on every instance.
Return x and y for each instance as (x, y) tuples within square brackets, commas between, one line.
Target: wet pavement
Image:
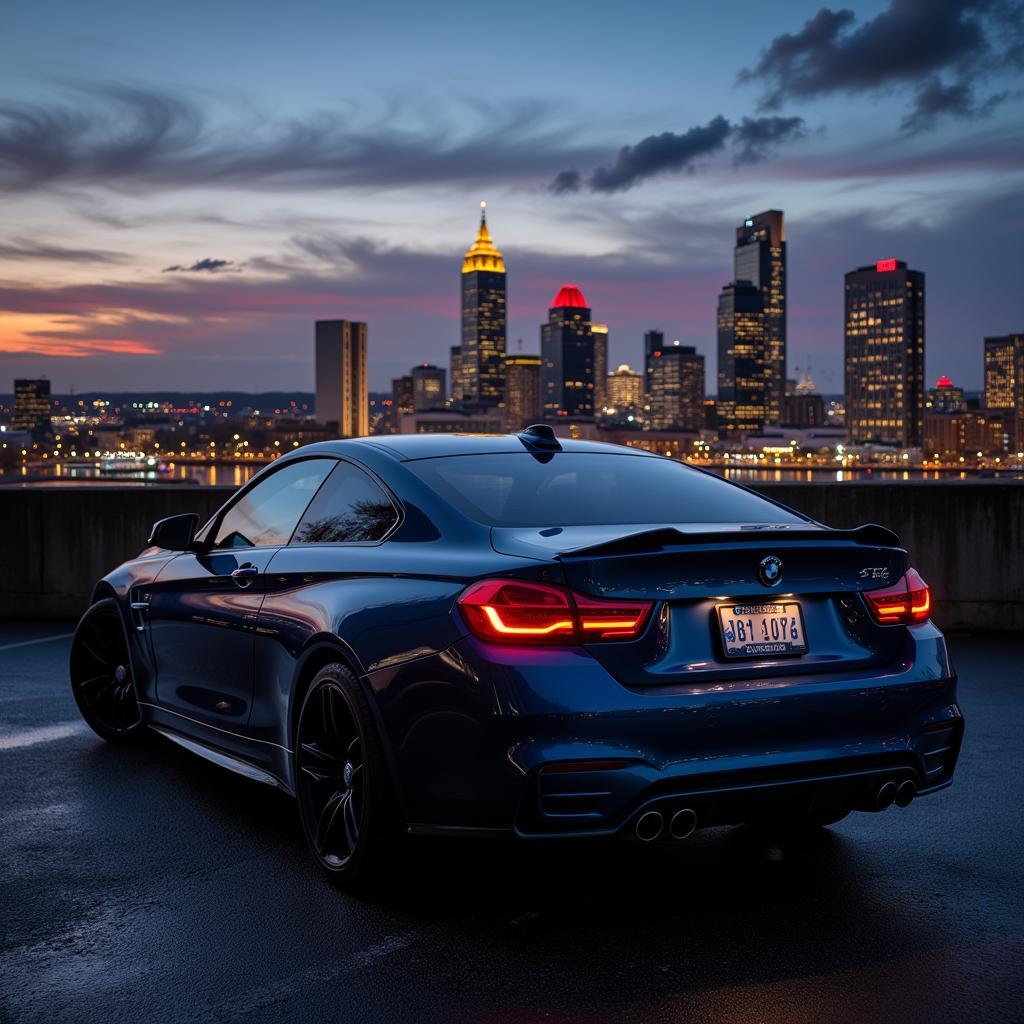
[(149, 885)]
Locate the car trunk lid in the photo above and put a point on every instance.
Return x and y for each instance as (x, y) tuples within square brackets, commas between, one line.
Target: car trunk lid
[(691, 571)]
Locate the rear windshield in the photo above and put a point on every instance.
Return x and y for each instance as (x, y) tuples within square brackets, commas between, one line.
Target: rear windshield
[(589, 489)]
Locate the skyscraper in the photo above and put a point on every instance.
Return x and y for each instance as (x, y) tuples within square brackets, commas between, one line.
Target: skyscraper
[(885, 354), (600, 332), (567, 357), (455, 372), (760, 258), (654, 341), (342, 401), (482, 356), (522, 390), (675, 388), (744, 370), (428, 390), (32, 406), (1004, 382)]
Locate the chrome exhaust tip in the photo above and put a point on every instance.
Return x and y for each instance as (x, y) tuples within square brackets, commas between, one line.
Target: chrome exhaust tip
[(649, 826), (885, 795), (905, 793), (682, 823)]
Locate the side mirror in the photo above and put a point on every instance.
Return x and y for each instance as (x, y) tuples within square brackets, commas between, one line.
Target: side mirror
[(175, 533)]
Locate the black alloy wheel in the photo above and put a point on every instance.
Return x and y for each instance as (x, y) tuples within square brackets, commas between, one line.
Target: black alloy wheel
[(101, 676), (341, 779)]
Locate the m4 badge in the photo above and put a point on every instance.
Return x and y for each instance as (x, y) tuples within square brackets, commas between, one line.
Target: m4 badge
[(875, 572)]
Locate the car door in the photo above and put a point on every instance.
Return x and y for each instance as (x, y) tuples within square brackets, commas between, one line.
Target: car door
[(202, 609), (326, 580)]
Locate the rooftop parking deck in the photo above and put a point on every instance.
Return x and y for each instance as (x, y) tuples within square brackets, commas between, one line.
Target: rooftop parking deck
[(146, 884)]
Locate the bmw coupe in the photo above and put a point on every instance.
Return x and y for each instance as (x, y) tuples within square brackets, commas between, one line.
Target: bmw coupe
[(525, 636)]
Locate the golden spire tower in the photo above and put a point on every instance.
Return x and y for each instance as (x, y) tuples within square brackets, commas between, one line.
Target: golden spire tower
[(483, 255), (480, 383)]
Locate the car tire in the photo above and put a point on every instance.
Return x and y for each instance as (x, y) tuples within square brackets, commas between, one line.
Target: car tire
[(342, 781), (102, 681)]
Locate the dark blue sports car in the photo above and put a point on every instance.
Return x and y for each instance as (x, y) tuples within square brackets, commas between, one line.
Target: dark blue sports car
[(517, 635)]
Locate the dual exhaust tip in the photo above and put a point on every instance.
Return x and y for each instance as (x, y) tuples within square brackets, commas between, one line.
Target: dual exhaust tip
[(683, 823), (891, 792), (651, 825)]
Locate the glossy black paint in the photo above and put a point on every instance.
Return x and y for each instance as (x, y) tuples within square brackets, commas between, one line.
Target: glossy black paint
[(469, 728)]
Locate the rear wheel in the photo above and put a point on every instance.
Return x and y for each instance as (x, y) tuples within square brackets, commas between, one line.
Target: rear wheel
[(342, 780), (101, 676)]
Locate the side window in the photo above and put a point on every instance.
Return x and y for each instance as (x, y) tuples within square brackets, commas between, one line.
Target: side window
[(266, 516), (349, 508)]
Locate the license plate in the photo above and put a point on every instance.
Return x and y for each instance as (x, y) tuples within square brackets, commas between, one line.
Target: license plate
[(756, 630)]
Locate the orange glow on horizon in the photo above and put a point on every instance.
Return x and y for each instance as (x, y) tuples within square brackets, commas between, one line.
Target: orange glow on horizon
[(35, 334)]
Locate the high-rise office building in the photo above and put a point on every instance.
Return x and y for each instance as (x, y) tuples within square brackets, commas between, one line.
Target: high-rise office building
[(744, 369), (654, 341), (401, 397), (600, 332), (482, 359), (885, 354), (455, 373), (428, 387), (675, 388), (760, 258), (1004, 383), (944, 397), (625, 388), (32, 406), (567, 357), (342, 401), (522, 390)]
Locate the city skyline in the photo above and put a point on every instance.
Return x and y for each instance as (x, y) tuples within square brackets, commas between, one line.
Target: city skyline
[(190, 233)]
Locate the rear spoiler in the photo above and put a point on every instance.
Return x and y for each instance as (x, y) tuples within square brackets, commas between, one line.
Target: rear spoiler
[(870, 534)]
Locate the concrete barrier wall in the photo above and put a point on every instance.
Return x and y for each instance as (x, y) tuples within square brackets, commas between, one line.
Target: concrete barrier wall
[(966, 538), (56, 542)]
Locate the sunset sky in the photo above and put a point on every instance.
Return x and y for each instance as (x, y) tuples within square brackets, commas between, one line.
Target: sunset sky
[(184, 188)]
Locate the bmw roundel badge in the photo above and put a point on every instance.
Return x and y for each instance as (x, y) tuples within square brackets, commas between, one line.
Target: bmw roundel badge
[(769, 570)]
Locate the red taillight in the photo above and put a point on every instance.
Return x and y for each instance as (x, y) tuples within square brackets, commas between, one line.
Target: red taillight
[(601, 619), (906, 602), (518, 612)]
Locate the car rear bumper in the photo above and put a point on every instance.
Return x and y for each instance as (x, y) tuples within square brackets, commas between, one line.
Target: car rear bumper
[(546, 743)]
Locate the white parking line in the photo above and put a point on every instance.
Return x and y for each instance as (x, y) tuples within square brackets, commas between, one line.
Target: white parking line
[(41, 640), (46, 734)]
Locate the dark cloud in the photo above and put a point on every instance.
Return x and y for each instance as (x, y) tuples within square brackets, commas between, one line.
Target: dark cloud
[(24, 249), (660, 153), (566, 181), (911, 42), (140, 140), (671, 153), (757, 136), (209, 266), (935, 99)]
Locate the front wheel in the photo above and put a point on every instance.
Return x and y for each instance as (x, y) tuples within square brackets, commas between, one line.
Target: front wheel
[(342, 780), (101, 676)]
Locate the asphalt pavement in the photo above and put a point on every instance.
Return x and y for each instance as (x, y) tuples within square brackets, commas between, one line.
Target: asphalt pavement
[(148, 885)]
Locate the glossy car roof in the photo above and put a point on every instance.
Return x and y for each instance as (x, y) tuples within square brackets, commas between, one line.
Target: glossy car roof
[(406, 447)]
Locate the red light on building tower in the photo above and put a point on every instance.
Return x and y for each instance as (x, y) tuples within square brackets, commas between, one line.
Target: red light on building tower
[(569, 297), (885, 266)]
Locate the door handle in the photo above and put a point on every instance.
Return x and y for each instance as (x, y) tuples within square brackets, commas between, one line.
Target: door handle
[(245, 574)]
